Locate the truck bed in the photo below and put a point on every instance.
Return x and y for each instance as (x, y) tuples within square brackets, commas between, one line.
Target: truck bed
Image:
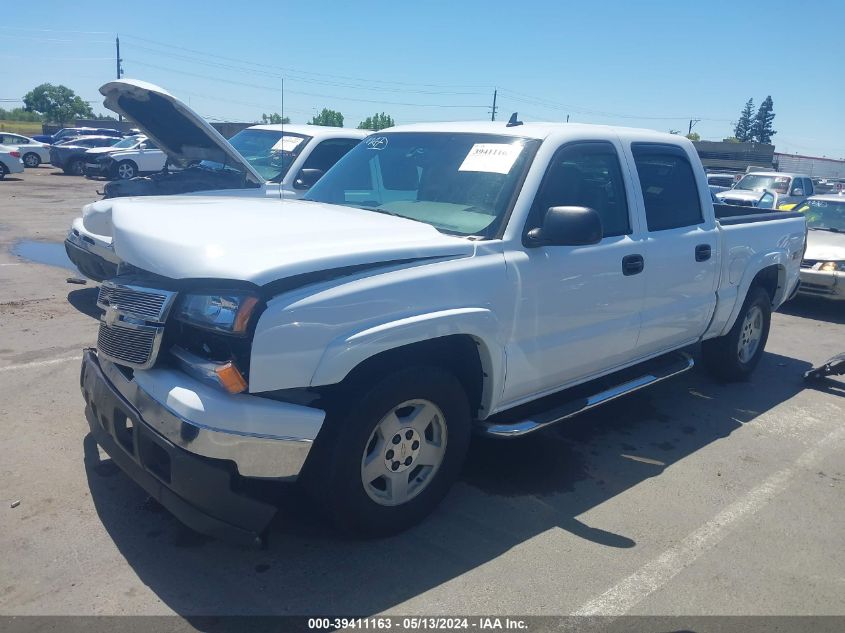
[(728, 214)]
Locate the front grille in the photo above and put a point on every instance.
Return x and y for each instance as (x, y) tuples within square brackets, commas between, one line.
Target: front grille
[(134, 346), (808, 263), (133, 300), (133, 324)]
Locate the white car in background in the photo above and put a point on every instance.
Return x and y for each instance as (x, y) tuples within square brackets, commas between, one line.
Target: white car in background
[(10, 161), (273, 161), (144, 158), (33, 152), (96, 157)]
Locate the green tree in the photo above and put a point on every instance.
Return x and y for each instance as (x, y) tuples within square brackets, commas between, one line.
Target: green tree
[(331, 118), (376, 122), (18, 114), (274, 119), (694, 136), (58, 104), (742, 131), (761, 130)]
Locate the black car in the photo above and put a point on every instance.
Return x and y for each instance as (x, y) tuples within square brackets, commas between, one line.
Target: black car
[(70, 155)]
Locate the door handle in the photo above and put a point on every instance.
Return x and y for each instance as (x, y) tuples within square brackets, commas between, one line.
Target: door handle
[(632, 265), (702, 252)]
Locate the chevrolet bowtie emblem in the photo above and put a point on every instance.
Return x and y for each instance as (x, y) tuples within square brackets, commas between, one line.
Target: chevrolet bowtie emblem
[(110, 317)]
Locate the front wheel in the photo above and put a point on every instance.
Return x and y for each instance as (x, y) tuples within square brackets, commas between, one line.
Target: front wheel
[(391, 457), (734, 356), (126, 169)]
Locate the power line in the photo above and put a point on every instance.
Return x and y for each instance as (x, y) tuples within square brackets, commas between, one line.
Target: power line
[(309, 94), (293, 70)]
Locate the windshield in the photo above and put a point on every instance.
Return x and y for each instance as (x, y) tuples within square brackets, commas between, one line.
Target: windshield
[(129, 141), (270, 152), (754, 182), (462, 184), (824, 214)]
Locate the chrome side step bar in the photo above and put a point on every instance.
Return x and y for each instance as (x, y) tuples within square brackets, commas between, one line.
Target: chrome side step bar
[(683, 362)]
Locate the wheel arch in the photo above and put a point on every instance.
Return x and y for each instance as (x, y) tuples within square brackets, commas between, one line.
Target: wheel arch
[(462, 343)]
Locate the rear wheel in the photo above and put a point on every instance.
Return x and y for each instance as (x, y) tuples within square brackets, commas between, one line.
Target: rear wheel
[(3, 171), (126, 169), (391, 456), (31, 160), (75, 167), (735, 355)]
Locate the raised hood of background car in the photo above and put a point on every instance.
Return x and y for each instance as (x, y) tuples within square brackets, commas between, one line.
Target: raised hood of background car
[(179, 131)]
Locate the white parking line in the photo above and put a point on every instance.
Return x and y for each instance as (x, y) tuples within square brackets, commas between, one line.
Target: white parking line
[(652, 576), (39, 363)]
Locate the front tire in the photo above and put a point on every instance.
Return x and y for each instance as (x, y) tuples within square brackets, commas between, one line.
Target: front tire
[(125, 170), (734, 356), (390, 457), (31, 160)]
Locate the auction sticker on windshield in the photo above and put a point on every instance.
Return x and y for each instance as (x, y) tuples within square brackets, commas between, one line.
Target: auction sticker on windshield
[(288, 143), (497, 158)]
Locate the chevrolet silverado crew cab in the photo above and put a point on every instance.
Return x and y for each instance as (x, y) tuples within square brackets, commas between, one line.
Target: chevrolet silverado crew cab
[(275, 161), (439, 279)]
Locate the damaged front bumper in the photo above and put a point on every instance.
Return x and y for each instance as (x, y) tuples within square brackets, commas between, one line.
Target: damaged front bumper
[(826, 284), (198, 472)]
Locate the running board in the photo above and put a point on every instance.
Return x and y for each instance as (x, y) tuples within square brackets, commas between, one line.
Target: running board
[(679, 364)]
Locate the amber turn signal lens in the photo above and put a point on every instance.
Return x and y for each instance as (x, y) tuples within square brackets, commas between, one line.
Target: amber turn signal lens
[(230, 378), (244, 312)]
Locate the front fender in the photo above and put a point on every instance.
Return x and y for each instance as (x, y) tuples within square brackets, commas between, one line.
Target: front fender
[(346, 352)]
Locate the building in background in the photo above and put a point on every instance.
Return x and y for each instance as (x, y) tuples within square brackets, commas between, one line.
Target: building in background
[(735, 157), (813, 166)]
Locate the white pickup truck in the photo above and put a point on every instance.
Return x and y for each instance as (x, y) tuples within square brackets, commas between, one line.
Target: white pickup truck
[(438, 278), (273, 161)]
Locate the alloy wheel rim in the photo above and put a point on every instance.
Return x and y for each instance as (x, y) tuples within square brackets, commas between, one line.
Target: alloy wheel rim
[(404, 452), (125, 171), (30, 160), (750, 334)]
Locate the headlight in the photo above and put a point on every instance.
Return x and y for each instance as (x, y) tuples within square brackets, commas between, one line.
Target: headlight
[(227, 312), (830, 267)]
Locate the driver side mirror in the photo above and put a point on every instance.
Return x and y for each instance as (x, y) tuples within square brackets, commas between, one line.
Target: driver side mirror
[(307, 178), (567, 226), (798, 191)]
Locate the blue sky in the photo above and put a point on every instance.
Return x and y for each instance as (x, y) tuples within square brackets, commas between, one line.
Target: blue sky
[(641, 63)]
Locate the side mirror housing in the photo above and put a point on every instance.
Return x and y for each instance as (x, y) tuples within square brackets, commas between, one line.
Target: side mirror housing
[(567, 226), (798, 191), (307, 178)]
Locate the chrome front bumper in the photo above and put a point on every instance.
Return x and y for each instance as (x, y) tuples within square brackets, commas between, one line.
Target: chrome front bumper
[(263, 438)]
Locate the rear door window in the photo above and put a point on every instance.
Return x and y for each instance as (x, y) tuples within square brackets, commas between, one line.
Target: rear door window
[(670, 191)]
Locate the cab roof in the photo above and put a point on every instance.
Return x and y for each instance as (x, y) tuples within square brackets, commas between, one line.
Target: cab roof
[(542, 130)]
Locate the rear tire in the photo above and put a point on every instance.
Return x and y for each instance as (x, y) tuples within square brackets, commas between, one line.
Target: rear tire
[(75, 167), (3, 171), (125, 170), (734, 356), (385, 461), (31, 160)]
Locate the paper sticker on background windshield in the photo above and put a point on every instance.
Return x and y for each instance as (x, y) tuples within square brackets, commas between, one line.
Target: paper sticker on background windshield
[(496, 158), (377, 142), (288, 143)]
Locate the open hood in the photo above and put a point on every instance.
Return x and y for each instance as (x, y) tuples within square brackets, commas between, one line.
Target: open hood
[(179, 131)]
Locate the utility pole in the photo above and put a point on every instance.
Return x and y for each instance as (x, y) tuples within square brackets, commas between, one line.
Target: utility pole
[(117, 61), (692, 123), (493, 111)]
